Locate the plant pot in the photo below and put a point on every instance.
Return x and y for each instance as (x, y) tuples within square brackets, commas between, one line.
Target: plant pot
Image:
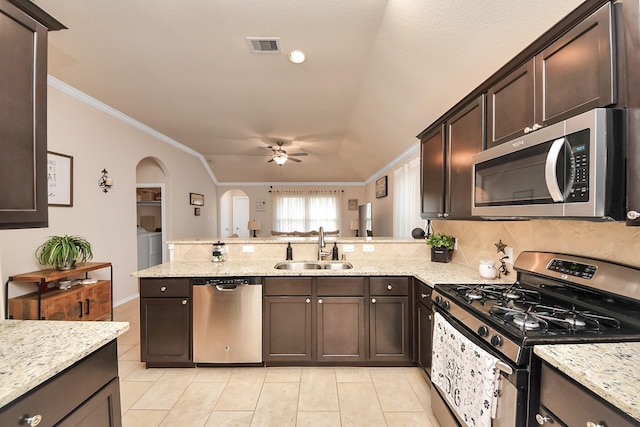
[(441, 254), (66, 266)]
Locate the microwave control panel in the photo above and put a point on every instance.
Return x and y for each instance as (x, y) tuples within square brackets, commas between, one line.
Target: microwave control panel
[(579, 164)]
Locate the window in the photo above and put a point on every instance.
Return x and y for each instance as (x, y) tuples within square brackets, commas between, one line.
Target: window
[(306, 210), (406, 199)]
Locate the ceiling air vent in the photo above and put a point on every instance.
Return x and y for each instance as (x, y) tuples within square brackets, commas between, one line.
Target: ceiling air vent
[(264, 44)]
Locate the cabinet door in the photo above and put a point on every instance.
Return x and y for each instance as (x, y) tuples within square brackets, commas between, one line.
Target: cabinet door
[(96, 301), (511, 105), (23, 117), (424, 332), (465, 135), (432, 156), (576, 73), (165, 330), (287, 328), (389, 329), (340, 329), (101, 410)]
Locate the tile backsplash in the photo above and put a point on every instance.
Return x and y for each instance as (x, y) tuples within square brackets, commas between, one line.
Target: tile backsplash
[(613, 241)]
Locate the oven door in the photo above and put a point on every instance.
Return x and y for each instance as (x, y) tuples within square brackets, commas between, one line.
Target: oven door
[(512, 384)]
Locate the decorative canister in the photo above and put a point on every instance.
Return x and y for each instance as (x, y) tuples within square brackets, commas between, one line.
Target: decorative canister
[(487, 269), (219, 252)]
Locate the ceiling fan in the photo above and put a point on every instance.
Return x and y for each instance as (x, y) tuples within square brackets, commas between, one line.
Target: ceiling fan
[(280, 156)]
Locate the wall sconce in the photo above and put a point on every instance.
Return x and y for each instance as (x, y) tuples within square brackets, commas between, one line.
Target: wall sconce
[(105, 183), (254, 226)]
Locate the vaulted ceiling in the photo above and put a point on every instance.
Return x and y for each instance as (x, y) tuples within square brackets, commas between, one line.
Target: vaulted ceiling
[(377, 73)]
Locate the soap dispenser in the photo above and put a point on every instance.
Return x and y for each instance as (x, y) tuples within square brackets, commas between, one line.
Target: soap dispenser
[(289, 252), (334, 252)]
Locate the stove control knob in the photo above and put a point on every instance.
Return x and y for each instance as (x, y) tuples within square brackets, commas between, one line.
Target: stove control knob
[(496, 340), (483, 331), (438, 299)]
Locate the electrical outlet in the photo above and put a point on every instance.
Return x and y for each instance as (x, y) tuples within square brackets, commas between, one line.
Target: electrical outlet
[(367, 248), (247, 249), (509, 253), (348, 248)]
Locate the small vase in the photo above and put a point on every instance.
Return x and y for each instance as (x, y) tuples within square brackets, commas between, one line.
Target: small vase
[(66, 266), (441, 254)]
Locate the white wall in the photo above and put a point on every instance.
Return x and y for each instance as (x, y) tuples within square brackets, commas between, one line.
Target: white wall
[(97, 141)]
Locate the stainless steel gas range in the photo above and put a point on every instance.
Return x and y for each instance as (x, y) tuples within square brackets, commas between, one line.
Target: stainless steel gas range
[(484, 334)]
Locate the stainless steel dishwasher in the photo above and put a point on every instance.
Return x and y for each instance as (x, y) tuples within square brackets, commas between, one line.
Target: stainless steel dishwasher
[(227, 320)]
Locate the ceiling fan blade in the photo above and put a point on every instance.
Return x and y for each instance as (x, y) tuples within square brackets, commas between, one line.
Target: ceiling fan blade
[(294, 160), (298, 154), (270, 160)]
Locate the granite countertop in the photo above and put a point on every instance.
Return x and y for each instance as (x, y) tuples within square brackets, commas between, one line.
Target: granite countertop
[(608, 370), (33, 351), (429, 272)]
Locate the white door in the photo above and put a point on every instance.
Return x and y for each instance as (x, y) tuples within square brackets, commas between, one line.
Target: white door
[(241, 216)]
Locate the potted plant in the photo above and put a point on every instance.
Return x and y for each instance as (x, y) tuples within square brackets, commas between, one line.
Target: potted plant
[(441, 247), (62, 252)]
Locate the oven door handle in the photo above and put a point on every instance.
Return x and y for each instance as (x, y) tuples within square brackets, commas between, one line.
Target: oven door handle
[(504, 367)]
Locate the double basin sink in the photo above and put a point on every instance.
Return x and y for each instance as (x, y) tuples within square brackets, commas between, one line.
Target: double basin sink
[(312, 265)]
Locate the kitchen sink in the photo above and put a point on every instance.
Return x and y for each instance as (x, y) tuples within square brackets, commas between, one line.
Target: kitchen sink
[(337, 266), (312, 265), (298, 265)]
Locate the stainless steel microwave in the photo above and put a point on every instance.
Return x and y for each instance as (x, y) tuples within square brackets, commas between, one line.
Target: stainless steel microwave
[(571, 169)]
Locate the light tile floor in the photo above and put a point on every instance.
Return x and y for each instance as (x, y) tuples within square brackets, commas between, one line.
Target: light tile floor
[(274, 396)]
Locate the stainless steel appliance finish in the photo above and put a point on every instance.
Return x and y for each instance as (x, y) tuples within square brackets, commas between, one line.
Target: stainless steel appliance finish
[(557, 299), (227, 320), (574, 168)]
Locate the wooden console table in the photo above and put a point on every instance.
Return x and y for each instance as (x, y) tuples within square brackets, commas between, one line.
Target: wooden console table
[(75, 303)]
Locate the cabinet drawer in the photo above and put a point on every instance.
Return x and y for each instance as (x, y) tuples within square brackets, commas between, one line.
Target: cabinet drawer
[(340, 286), (288, 286), (423, 294), (389, 285), (154, 288)]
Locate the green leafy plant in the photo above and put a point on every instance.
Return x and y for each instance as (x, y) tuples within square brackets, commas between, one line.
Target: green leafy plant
[(439, 240), (62, 252)]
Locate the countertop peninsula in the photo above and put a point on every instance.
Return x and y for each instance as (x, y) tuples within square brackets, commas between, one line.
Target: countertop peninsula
[(608, 370), (34, 351)]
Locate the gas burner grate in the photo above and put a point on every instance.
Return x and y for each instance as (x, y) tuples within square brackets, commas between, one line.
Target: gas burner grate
[(498, 293)]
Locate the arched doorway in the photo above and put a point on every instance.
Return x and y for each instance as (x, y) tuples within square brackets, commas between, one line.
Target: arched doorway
[(150, 212), (234, 214)]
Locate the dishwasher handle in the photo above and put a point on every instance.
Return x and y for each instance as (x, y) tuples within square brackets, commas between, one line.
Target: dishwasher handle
[(225, 288)]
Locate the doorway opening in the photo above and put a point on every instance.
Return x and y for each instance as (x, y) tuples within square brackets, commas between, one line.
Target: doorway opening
[(150, 213), (234, 214)]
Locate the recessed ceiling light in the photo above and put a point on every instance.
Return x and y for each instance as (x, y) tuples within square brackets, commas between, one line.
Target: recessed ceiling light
[(296, 56)]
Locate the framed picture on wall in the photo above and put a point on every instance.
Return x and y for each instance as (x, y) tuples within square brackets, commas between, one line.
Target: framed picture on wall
[(59, 179), (196, 199), (381, 187), (353, 204)]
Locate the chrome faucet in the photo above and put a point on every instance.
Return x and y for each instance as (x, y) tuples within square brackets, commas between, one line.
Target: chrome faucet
[(321, 244)]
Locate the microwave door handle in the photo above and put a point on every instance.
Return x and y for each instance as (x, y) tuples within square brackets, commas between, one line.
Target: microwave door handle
[(550, 170)]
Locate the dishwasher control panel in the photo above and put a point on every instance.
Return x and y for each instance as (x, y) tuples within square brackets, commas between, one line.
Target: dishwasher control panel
[(227, 281)]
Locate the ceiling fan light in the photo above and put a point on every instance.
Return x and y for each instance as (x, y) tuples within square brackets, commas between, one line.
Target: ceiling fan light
[(297, 56), (280, 158)]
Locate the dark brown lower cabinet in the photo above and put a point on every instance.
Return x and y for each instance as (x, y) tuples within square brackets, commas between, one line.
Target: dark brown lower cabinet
[(165, 322), (340, 329), (390, 326), (87, 394)]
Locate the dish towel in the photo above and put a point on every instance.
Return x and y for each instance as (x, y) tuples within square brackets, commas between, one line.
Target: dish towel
[(465, 374)]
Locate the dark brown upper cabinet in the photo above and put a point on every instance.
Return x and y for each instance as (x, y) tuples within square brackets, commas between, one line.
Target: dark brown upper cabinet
[(446, 158), (23, 114), (573, 74)]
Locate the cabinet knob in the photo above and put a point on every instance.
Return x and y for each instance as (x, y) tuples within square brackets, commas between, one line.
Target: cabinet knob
[(389, 287), (440, 215), (32, 421), (373, 300), (308, 300), (423, 296), (527, 129), (633, 215), (536, 126), (163, 289), (320, 301), (592, 424), (541, 419), (445, 215), (184, 302)]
